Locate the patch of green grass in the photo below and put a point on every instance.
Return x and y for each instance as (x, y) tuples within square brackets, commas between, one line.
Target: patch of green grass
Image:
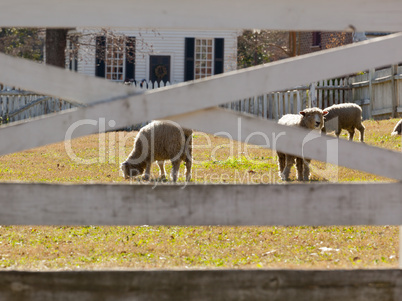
[(241, 162)]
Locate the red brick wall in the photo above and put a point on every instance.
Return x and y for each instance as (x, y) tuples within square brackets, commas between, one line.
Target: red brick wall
[(328, 40)]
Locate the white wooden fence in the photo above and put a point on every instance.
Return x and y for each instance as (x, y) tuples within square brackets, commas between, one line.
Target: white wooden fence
[(378, 92), (274, 105), (18, 105), (187, 103)]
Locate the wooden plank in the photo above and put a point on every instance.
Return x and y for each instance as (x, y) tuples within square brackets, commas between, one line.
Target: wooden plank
[(400, 247), (269, 14), (87, 89), (296, 141), (220, 204), (23, 108), (174, 99), (382, 111), (200, 285), (362, 102), (394, 91)]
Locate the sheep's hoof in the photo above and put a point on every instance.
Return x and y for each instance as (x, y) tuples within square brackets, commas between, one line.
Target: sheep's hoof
[(163, 179)]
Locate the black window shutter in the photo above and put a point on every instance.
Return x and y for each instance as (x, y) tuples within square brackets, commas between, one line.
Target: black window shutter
[(100, 56), (219, 55), (189, 59), (130, 58)]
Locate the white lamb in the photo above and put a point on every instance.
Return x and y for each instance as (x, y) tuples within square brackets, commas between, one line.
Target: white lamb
[(159, 141), (311, 119), (398, 129), (347, 116)]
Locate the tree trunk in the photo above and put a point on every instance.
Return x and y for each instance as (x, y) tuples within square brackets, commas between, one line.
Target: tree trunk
[(55, 47)]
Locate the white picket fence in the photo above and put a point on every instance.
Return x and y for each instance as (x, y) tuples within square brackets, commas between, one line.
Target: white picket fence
[(276, 104), (378, 92), (18, 105), (194, 105)]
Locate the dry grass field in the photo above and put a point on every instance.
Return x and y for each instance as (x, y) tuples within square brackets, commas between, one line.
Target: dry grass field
[(96, 159)]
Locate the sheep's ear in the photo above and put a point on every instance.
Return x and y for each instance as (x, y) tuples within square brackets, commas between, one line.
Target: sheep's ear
[(324, 113), (302, 113)]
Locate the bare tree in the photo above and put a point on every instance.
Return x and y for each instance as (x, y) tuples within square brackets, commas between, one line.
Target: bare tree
[(262, 46), (23, 42), (56, 40)]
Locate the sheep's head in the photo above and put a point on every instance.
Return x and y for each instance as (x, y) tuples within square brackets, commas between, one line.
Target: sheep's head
[(131, 170), (313, 118)]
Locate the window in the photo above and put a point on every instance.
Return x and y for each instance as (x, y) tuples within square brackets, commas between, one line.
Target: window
[(204, 58), (316, 39), (115, 58)]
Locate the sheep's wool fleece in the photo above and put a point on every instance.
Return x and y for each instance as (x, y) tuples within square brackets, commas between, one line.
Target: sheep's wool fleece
[(398, 129), (165, 139), (297, 119), (349, 114)]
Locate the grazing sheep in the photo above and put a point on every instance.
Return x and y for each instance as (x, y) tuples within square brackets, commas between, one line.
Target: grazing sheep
[(159, 141), (398, 129), (311, 119), (347, 116)]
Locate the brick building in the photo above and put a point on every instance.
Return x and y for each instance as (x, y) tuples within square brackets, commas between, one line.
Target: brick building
[(308, 42)]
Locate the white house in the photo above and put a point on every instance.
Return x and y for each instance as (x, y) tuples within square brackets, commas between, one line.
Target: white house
[(153, 55)]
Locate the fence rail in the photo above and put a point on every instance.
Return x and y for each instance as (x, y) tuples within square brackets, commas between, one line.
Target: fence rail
[(197, 285), (18, 104), (378, 93)]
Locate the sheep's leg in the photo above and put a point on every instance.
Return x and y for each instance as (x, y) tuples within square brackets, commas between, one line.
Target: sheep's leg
[(188, 169), (361, 128), (175, 170), (281, 162), (299, 168), (290, 160), (162, 172), (188, 156), (306, 169), (351, 134), (147, 172)]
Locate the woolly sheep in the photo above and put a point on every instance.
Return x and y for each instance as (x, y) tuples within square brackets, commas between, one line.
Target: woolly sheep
[(159, 141), (347, 116), (311, 119), (398, 129)]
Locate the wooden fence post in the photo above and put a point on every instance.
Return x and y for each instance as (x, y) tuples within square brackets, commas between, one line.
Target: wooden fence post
[(400, 247), (350, 94), (312, 97), (371, 91), (394, 92)]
